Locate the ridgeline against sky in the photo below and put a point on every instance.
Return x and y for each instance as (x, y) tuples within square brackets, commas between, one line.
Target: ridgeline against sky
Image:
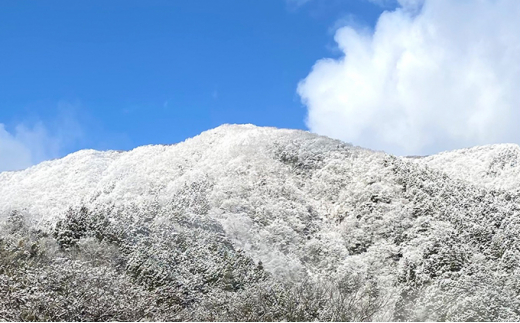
[(407, 76), (245, 223)]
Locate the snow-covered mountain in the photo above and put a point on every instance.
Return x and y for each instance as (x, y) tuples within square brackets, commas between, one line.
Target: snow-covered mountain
[(438, 235), (492, 166)]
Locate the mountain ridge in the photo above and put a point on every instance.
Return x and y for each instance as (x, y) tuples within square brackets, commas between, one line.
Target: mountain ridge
[(96, 165), (307, 207)]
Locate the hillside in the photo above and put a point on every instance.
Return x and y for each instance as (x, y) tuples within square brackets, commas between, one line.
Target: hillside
[(250, 223), (492, 166)]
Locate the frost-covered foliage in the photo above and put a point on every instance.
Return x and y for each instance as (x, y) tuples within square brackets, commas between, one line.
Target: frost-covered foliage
[(247, 223), (40, 283), (493, 166), (107, 266)]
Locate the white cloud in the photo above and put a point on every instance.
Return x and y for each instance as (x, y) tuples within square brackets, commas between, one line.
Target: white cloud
[(434, 75), (27, 145), (24, 147), (13, 153)]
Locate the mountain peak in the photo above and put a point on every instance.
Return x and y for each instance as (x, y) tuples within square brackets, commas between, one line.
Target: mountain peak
[(304, 207)]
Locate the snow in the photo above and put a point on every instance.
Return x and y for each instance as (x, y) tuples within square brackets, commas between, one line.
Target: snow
[(492, 166), (257, 182), (243, 169), (301, 203), (144, 173)]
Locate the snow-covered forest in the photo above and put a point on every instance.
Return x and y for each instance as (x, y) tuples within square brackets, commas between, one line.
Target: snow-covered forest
[(260, 224)]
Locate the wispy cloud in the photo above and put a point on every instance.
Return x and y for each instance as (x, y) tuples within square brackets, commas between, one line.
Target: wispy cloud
[(297, 3), (29, 143), (433, 75), (381, 3), (14, 154)]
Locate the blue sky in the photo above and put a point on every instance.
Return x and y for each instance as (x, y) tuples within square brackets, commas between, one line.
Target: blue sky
[(409, 77), (129, 73)]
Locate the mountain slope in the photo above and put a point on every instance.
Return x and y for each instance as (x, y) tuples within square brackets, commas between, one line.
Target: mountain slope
[(493, 166), (228, 174), (266, 206)]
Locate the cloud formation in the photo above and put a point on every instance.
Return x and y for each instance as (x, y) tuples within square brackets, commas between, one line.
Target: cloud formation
[(27, 145), (433, 75), (24, 147)]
